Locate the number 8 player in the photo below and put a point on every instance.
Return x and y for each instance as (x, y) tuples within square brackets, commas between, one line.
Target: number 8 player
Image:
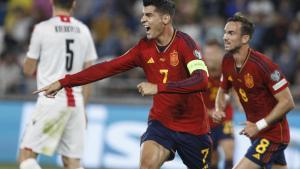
[(58, 46), (263, 92)]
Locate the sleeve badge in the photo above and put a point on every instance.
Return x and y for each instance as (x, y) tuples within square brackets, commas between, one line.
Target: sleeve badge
[(197, 54), (275, 76)]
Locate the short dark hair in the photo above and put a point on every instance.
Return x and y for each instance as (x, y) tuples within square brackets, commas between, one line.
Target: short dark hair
[(163, 6), (247, 27), (65, 4)]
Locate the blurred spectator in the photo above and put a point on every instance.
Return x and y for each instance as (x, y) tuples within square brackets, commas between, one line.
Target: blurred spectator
[(276, 34), (293, 35), (287, 61), (213, 28), (43, 10), (10, 74), (213, 7), (18, 24), (187, 17), (3, 10)]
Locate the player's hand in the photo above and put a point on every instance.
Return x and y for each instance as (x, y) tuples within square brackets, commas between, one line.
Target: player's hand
[(210, 112), (146, 88), (51, 90), (218, 116), (250, 129)]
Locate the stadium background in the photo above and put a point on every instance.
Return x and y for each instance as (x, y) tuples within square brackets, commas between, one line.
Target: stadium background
[(117, 114)]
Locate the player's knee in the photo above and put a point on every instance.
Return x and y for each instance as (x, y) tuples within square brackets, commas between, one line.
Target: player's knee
[(30, 163), (146, 164)]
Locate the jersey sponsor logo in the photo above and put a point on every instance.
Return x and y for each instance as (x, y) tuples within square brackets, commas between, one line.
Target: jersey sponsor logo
[(150, 61), (249, 80), (275, 76), (174, 60), (197, 54)]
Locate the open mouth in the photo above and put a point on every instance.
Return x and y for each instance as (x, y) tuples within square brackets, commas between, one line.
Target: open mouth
[(147, 28)]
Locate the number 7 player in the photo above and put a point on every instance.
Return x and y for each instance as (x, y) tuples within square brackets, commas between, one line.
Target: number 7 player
[(176, 73)]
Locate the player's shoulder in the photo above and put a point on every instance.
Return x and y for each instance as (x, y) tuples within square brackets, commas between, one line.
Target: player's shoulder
[(261, 60), (186, 38), (79, 23), (44, 23)]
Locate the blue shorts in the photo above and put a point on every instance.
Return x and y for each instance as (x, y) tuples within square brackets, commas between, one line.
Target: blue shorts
[(265, 153), (194, 150), (221, 132)]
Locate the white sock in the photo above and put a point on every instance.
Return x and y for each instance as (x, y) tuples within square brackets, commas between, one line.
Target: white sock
[(80, 168), (30, 163)]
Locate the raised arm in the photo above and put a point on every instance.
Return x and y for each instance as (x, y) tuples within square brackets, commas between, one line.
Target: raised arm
[(96, 72)]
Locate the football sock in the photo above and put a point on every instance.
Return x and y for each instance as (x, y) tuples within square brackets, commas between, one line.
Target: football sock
[(30, 164)]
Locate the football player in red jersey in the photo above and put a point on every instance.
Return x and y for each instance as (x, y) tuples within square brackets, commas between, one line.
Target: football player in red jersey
[(263, 92), (222, 133), (176, 74)]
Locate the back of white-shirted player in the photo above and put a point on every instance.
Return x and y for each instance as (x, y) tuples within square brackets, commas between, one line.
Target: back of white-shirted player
[(62, 47)]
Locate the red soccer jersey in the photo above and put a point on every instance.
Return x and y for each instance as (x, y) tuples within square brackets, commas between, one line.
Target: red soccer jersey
[(210, 98), (181, 110), (256, 83)]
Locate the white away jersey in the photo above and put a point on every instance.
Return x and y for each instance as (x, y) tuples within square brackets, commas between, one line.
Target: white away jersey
[(62, 45)]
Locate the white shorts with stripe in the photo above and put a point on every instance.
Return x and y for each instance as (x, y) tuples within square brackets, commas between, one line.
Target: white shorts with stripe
[(56, 127)]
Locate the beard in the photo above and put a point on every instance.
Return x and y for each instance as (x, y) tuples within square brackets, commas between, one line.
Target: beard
[(235, 50)]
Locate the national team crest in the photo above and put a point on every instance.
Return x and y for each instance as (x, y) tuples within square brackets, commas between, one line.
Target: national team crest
[(249, 80), (174, 60)]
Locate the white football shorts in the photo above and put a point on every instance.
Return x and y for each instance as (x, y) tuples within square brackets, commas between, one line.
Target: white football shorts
[(55, 127)]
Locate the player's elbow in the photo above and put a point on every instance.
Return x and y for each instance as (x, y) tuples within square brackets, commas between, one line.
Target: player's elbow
[(29, 66), (28, 71), (291, 104), (204, 81)]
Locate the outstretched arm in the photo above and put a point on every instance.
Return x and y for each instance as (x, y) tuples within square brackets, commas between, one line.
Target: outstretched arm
[(93, 73)]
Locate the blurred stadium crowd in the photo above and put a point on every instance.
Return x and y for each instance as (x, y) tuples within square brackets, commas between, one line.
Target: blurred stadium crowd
[(115, 26)]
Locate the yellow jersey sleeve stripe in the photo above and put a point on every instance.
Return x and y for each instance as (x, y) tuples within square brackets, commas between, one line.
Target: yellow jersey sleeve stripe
[(195, 65)]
